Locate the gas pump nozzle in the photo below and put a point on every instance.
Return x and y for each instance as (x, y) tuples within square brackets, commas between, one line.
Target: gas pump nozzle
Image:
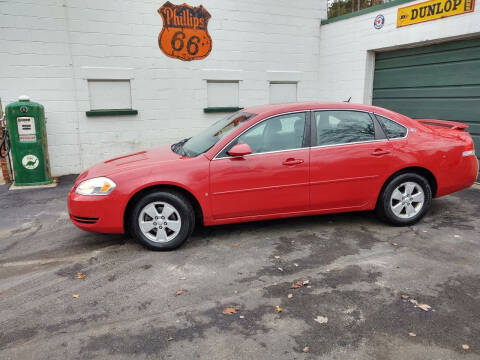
[(5, 140)]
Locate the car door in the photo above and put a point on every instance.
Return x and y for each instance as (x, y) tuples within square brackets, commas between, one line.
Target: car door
[(272, 179), (350, 159)]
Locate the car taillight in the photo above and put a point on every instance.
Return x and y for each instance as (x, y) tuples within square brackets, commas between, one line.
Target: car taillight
[(469, 150)]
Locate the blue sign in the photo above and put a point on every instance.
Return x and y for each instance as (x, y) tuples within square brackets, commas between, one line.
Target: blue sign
[(379, 21)]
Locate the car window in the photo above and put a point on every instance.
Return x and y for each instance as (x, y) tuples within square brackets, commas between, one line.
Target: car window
[(202, 142), (392, 128), (282, 132), (342, 127)]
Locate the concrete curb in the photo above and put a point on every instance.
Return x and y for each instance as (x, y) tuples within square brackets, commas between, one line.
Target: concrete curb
[(52, 185)]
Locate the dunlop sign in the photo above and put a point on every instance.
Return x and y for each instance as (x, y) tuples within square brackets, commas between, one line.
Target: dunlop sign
[(432, 10)]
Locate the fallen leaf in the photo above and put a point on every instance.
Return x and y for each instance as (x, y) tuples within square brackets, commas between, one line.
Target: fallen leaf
[(295, 264), (230, 310), (465, 347), (290, 296), (412, 334), (277, 257), (236, 244), (279, 268), (278, 308), (170, 339), (79, 275), (75, 296), (306, 349), (424, 307), (321, 319), (179, 292), (299, 284), (394, 244), (405, 297)]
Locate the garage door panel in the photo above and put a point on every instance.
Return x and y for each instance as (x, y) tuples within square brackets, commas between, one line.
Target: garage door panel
[(460, 44), (447, 74), (426, 59), (453, 109), (471, 91)]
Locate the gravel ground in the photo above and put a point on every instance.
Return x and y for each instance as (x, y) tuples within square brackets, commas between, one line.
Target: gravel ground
[(352, 307)]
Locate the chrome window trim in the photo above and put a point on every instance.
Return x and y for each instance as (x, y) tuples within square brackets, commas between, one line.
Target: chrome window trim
[(349, 143), (396, 122), (267, 152)]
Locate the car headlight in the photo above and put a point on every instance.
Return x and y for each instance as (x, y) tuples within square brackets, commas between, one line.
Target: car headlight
[(96, 186)]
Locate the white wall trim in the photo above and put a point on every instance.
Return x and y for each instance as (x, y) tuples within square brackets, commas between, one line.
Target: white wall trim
[(284, 76), (106, 73)]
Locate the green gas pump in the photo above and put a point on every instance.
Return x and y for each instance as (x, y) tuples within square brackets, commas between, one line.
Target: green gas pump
[(28, 141)]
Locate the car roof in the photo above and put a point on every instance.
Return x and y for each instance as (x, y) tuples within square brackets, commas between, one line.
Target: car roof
[(299, 106)]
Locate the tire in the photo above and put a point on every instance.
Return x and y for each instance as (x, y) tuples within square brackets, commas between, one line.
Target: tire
[(169, 216), (401, 202)]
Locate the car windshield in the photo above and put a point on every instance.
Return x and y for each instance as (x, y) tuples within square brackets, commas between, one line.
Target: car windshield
[(204, 141)]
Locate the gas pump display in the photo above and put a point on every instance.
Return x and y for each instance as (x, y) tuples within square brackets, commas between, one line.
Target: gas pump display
[(26, 129)]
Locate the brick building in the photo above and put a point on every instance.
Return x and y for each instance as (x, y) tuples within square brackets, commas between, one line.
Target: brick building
[(83, 59)]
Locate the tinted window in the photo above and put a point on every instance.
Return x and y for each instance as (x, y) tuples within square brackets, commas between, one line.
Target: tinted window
[(392, 129), (341, 127), (279, 133)]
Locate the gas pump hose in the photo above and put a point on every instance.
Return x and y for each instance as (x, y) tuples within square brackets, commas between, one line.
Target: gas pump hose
[(4, 143)]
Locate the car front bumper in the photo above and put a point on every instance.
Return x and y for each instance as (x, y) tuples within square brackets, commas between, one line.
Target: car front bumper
[(103, 214)]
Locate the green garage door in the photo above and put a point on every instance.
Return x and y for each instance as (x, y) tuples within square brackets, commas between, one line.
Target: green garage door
[(439, 81)]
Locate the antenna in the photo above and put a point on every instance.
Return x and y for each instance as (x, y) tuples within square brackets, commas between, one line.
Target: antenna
[(350, 98)]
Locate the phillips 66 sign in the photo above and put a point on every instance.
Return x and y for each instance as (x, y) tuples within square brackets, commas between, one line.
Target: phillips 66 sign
[(184, 35)]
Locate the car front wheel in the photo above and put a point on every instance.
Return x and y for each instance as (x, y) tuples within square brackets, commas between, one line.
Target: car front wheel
[(405, 199), (162, 220)]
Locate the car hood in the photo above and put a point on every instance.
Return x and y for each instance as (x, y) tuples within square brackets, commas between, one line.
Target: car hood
[(137, 160)]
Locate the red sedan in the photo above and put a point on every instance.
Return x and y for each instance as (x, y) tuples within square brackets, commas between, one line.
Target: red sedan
[(278, 161)]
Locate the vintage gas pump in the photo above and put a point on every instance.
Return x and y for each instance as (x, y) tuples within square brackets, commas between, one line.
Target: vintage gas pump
[(28, 141)]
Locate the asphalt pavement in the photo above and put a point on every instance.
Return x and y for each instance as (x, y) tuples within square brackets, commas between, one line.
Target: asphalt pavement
[(364, 289)]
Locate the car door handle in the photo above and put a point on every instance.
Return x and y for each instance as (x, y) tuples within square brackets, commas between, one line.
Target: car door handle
[(379, 152), (292, 161)]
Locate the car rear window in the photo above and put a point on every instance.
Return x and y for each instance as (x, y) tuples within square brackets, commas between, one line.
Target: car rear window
[(393, 130)]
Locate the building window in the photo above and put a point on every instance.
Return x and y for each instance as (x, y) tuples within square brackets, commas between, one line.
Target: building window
[(282, 92), (110, 97), (222, 94), (110, 94)]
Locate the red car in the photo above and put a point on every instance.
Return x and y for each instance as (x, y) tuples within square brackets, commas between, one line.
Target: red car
[(277, 161)]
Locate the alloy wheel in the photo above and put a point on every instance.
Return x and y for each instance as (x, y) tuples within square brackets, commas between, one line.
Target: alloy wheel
[(407, 200), (159, 221)]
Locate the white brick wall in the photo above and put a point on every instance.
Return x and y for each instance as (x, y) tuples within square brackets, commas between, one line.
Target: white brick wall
[(347, 48), (48, 49)]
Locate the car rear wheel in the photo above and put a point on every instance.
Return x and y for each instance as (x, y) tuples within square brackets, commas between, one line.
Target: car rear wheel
[(162, 220), (405, 199)]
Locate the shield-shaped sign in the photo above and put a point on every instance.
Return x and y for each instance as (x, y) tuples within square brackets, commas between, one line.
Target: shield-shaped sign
[(184, 35)]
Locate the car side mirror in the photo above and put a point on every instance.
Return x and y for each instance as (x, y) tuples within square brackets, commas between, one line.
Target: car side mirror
[(240, 149)]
